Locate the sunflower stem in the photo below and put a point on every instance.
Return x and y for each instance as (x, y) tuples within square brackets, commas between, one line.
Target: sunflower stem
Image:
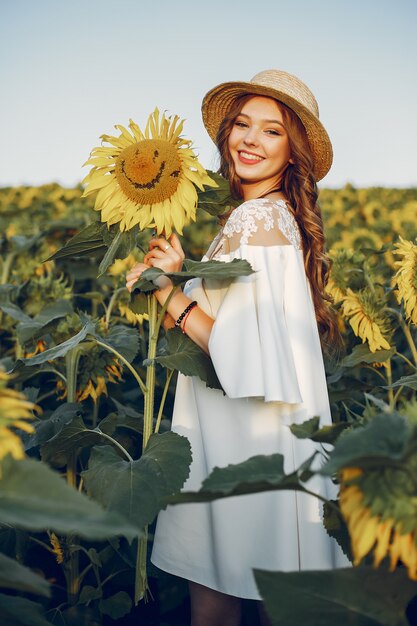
[(111, 305), (406, 330), (164, 395), (72, 359), (141, 581), (391, 399)]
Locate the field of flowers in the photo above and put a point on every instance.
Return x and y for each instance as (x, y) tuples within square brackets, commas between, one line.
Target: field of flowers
[(78, 487)]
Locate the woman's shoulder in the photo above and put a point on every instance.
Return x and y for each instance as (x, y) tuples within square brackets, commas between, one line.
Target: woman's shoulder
[(265, 214)]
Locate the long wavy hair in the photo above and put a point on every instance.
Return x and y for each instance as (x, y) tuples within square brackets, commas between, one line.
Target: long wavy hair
[(300, 189)]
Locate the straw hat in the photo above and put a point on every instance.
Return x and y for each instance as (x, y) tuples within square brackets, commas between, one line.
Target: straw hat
[(283, 87)]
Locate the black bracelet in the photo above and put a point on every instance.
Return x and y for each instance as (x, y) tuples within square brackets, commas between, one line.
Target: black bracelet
[(184, 313)]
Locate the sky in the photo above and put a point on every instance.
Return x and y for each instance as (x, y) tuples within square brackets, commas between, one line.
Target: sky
[(72, 69)]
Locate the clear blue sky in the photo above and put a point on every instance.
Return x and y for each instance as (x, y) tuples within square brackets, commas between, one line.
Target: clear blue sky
[(71, 69)]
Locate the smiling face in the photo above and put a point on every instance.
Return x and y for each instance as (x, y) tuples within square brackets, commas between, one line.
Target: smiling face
[(259, 147)]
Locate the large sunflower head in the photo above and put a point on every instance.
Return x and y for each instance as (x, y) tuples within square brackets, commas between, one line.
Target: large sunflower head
[(147, 179), (405, 279), (15, 411), (365, 313)]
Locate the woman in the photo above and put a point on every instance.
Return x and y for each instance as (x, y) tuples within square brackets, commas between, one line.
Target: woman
[(263, 335)]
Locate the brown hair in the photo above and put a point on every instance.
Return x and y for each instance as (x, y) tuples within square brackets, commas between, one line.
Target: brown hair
[(300, 189)]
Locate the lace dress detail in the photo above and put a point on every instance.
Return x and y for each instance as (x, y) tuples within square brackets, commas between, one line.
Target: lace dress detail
[(247, 218)]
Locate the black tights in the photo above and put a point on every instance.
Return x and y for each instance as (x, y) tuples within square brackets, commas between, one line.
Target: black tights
[(213, 608)]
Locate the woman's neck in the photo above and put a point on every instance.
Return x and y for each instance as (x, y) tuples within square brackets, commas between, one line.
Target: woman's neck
[(262, 189)]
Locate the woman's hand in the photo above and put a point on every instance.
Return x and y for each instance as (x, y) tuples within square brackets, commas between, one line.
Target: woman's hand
[(167, 255), (134, 274)]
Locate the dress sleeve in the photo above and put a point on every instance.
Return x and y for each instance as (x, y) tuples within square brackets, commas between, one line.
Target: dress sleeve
[(250, 343)]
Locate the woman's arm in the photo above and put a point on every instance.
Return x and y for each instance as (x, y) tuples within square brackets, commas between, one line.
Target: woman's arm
[(198, 324)]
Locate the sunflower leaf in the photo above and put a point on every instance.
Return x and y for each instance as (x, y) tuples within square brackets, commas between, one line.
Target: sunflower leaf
[(72, 437), (49, 427), (32, 328), (258, 474), (61, 349), (215, 270), (362, 354), (177, 351), (13, 575), (359, 596), (310, 429), (137, 489), (216, 200), (404, 381), (35, 497), (120, 247), (15, 611), (87, 241), (383, 440)]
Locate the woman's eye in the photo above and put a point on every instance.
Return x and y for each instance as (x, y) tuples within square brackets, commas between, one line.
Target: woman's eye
[(241, 124), (273, 132)]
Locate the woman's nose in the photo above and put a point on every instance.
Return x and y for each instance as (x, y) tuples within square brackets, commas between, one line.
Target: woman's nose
[(251, 136)]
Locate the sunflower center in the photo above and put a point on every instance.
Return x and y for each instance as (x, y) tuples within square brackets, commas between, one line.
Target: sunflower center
[(148, 171)]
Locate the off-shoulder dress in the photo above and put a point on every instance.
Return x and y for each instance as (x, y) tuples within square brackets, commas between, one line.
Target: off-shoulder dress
[(266, 352)]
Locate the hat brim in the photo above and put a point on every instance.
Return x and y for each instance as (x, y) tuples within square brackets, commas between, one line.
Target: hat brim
[(219, 100)]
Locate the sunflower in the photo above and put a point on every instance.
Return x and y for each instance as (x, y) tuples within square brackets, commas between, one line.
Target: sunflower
[(148, 178), (358, 238), (15, 409), (105, 368), (363, 311), (381, 513), (405, 279)]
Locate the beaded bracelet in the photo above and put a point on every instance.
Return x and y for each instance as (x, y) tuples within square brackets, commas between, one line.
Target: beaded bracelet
[(184, 313), (185, 321)]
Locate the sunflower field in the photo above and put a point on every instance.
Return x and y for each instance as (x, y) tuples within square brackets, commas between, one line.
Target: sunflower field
[(87, 458)]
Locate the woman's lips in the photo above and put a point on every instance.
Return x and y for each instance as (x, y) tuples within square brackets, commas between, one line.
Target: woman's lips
[(248, 158)]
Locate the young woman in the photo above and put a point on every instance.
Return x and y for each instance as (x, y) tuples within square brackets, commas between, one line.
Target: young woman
[(263, 335)]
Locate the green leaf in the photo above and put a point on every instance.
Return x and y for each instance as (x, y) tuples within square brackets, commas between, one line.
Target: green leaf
[(215, 270), (359, 596), (35, 497), (62, 348), (16, 576), (69, 439), (177, 351), (124, 339), (137, 489), (362, 354), (49, 427), (89, 593), (88, 240), (216, 200), (404, 381), (336, 527), (15, 611), (116, 606), (31, 329), (257, 474), (384, 438), (13, 311), (119, 247), (310, 430)]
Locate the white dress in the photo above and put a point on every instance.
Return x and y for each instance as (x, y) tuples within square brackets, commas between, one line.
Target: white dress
[(266, 351)]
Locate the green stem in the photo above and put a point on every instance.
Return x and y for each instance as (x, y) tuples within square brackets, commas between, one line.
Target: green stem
[(72, 359), (141, 580), (389, 382), (114, 442), (149, 398), (407, 332), (164, 395), (402, 356), (7, 265), (111, 305), (164, 310), (125, 362)]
